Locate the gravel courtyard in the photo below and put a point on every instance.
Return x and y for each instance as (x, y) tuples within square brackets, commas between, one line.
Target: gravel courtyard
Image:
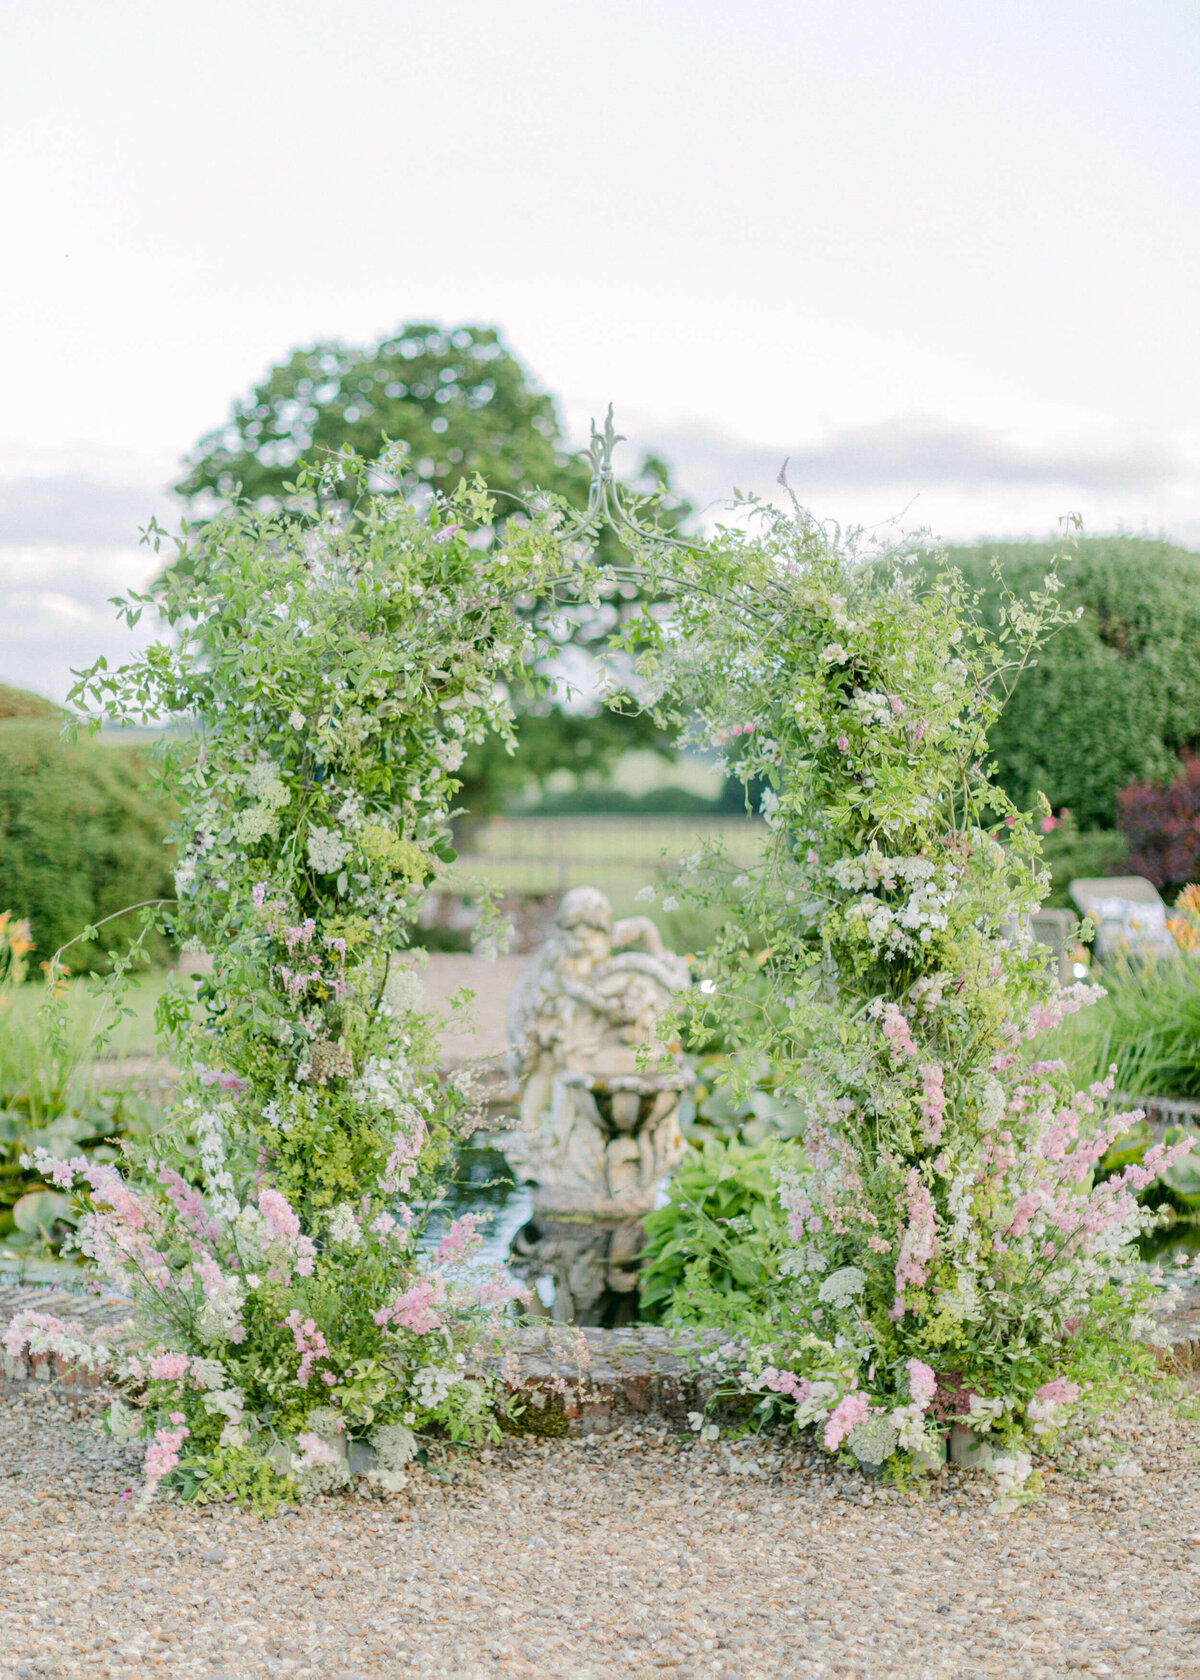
[(623, 1556)]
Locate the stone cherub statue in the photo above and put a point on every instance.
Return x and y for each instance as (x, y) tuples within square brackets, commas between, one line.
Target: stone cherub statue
[(599, 1130)]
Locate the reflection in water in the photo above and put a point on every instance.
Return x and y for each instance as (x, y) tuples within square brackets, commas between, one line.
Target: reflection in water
[(578, 1271), (582, 1271), (483, 1183)]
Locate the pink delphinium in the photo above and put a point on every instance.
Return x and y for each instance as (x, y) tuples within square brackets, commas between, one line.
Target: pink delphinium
[(189, 1205), (919, 1243), (162, 1455), (310, 1343), (402, 1162), (845, 1415), (291, 1244)]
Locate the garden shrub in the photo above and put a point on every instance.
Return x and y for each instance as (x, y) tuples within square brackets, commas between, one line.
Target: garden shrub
[(81, 837), (948, 1254), (714, 1250), (1161, 826), (1113, 697)]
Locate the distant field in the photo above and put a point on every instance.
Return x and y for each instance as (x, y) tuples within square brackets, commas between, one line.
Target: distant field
[(617, 854)]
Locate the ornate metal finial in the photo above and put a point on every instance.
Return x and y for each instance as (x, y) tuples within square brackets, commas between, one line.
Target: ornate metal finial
[(605, 500)]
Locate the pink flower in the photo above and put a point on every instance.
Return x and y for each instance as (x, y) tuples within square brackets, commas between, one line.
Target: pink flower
[(169, 1367), (922, 1384), (189, 1205), (897, 1032), (1048, 824), (1060, 1392), (290, 1242), (933, 1103), (786, 1382), (162, 1455), (498, 1291), (310, 1343), (278, 1213), (919, 1243), (459, 1239), (845, 1415), (259, 894), (843, 743), (416, 1309), (402, 1162), (315, 1450)]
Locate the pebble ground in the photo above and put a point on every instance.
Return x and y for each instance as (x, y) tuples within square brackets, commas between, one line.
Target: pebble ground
[(626, 1556)]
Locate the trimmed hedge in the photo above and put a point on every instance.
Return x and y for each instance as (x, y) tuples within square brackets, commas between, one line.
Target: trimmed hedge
[(80, 837), (1113, 699)]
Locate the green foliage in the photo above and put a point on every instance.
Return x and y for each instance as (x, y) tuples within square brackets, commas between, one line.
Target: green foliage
[(81, 837), (1113, 698), (714, 1250), (338, 656), (233, 1474)]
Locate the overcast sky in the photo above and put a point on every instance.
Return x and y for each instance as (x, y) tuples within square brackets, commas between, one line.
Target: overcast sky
[(935, 251)]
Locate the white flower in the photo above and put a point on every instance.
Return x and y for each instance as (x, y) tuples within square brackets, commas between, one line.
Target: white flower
[(645, 895), (229, 1402), (984, 1412), (327, 851), (210, 1373), (670, 904), (431, 1385), (841, 1287), (344, 1227), (1011, 1471), (394, 1446), (296, 720), (314, 1451)]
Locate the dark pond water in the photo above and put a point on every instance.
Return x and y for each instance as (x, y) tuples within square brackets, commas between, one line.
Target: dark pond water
[(483, 1183)]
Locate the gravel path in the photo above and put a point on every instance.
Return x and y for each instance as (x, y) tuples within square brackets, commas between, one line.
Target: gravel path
[(620, 1557)]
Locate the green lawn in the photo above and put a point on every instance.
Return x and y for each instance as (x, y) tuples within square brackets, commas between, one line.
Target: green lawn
[(86, 1011)]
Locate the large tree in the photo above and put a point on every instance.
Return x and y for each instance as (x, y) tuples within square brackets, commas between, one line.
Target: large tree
[(460, 403), (456, 396)]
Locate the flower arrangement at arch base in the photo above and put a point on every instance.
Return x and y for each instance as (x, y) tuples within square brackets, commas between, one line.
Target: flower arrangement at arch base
[(278, 1353)]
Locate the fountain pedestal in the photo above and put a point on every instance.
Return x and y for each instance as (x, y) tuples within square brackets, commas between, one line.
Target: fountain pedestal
[(599, 1104)]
